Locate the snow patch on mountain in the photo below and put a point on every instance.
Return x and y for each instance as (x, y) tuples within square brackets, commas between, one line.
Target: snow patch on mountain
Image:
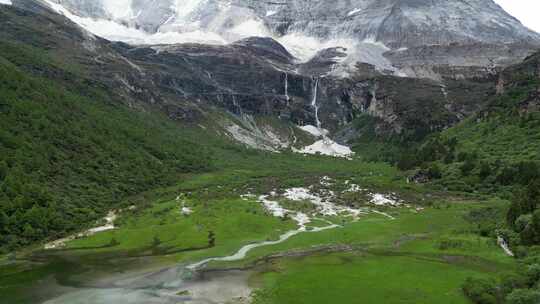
[(115, 31), (120, 9), (317, 132), (367, 29), (328, 147), (324, 205), (270, 13), (354, 11), (198, 21), (396, 23), (383, 200), (250, 28)]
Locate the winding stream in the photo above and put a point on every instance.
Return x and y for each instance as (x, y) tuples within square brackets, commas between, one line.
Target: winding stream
[(187, 284), (178, 284), (241, 254)]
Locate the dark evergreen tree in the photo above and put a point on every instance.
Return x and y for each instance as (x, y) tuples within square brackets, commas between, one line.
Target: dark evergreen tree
[(211, 239)]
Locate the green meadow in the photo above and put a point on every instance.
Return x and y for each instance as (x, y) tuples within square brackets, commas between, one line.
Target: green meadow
[(421, 256)]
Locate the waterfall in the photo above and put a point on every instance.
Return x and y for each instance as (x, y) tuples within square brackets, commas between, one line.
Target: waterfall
[(238, 107), (504, 245), (444, 91), (373, 102), (314, 102), (287, 88), (324, 145)]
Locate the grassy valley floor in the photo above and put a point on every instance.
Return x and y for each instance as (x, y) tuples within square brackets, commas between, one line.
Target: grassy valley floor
[(419, 252), (403, 261)]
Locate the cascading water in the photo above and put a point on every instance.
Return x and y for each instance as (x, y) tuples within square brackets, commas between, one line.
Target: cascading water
[(324, 146), (314, 103), (373, 101), (444, 91), (237, 106), (287, 88), (504, 245)]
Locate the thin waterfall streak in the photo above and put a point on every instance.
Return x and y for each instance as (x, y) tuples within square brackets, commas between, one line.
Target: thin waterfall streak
[(314, 103), (287, 88), (238, 107)]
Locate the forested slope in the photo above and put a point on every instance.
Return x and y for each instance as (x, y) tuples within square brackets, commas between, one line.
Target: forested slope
[(69, 151), (497, 148)]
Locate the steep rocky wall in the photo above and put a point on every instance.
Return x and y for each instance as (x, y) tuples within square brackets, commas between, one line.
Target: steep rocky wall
[(256, 77), (408, 37)]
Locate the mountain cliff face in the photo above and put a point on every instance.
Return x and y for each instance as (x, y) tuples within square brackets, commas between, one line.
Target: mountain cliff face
[(455, 66), (398, 23), (404, 37), (395, 23), (501, 140), (523, 77)]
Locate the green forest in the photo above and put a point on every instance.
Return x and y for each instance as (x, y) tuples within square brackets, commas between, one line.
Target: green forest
[(67, 158), (71, 150)]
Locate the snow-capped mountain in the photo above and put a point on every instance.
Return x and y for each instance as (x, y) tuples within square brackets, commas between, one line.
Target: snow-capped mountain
[(318, 65), (395, 23), (390, 34)]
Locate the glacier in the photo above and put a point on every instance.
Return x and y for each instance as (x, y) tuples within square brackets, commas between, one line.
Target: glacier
[(368, 29)]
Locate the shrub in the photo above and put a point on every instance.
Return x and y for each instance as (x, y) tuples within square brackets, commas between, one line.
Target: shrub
[(407, 161), (523, 296), (446, 244), (468, 166), (511, 282), (522, 222), (533, 273), (507, 176), (434, 171), (485, 170), (531, 234), (481, 291)]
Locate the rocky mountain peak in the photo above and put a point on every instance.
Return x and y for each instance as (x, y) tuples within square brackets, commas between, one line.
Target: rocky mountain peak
[(392, 35)]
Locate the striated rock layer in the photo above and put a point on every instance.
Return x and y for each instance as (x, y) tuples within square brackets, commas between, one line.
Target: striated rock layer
[(256, 77), (417, 38)]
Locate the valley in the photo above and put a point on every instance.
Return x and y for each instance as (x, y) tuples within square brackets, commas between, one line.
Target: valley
[(156, 253), (268, 152)]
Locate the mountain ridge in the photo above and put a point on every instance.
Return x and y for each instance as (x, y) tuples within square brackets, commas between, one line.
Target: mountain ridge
[(391, 34)]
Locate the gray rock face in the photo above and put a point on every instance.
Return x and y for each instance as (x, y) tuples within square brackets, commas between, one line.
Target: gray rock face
[(84, 8), (399, 23), (260, 77), (396, 23), (406, 37)]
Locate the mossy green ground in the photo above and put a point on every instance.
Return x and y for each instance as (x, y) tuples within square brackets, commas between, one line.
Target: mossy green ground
[(164, 229), (217, 205), (365, 278), (417, 258), (505, 139), (405, 260)]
